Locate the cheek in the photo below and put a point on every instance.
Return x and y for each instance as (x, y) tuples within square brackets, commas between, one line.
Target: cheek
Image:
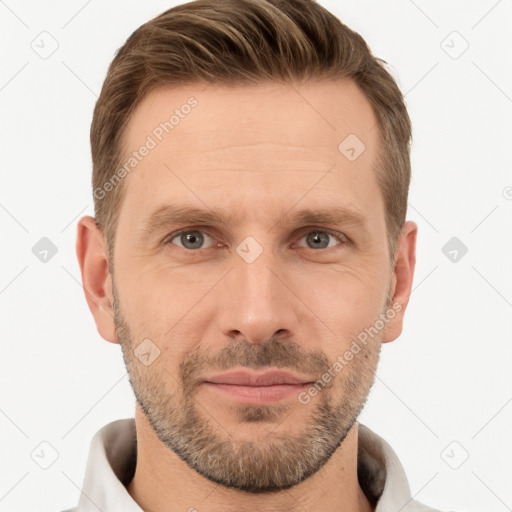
[(157, 292), (172, 308), (346, 301)]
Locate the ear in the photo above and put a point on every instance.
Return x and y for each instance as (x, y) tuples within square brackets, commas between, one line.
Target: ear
[(96, 279), (401, 281)]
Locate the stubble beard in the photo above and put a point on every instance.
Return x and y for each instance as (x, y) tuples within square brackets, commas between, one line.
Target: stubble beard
[(284, 455)]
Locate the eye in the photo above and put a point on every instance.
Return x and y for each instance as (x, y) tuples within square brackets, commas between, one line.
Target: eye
[(191, 239), (194, 239), (319, 239)]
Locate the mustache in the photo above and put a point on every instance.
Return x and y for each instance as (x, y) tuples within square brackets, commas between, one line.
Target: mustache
[(274, 353)]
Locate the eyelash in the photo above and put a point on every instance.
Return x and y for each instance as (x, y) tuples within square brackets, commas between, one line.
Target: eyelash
[(342, 238)]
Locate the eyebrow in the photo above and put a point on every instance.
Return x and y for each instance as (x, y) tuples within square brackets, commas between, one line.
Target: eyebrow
[(169, 215)]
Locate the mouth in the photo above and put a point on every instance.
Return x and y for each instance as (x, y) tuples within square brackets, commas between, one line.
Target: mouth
[(249, 387)]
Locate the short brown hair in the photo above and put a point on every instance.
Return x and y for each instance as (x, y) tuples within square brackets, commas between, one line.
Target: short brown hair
[(230, 42)]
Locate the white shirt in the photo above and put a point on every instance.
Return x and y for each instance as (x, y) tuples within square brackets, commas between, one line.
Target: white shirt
[(112, 459)]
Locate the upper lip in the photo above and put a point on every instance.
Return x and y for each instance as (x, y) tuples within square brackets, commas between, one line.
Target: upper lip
[(250, 378)]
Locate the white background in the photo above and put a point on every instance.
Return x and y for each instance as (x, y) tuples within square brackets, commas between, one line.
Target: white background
[(447, 378)]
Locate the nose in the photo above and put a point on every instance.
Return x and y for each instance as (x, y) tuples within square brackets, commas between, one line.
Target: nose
[(257, 301)]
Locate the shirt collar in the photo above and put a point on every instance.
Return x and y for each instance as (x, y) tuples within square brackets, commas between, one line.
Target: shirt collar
[(113, 453)]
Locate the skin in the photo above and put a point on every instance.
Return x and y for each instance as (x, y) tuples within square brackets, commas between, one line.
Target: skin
[(260, 151)]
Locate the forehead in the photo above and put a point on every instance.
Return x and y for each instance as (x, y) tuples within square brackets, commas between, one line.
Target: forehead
[(315, 115), (244, 146)]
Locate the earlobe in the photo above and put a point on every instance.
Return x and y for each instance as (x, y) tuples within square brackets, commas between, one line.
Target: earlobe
[(402, 278), (96, 277)]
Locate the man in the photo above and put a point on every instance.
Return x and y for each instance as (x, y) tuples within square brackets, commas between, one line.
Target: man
[(250, 254)]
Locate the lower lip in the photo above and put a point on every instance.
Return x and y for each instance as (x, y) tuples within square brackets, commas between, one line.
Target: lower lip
[(257, 394)]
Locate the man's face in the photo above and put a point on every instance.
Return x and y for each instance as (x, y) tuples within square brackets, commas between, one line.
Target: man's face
[(266, 290)]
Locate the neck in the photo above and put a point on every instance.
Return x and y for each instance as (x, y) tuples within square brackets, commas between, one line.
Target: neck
[(164, 483)]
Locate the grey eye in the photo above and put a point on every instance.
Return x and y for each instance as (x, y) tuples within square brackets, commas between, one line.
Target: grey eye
[(320, 239), (191, 239)]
